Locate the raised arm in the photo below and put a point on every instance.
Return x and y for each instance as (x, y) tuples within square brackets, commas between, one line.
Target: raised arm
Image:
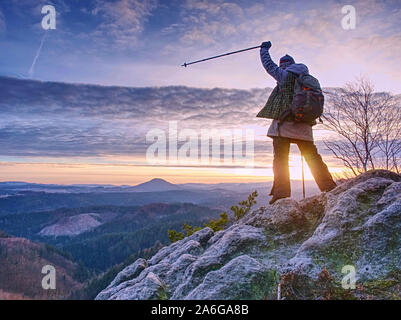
[(273, 69)]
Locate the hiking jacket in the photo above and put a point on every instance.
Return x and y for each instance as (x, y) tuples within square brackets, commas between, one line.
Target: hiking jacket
[(280, 99), (288, 129)]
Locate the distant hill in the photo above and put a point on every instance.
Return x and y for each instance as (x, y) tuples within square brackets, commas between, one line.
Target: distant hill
[(28, 201), (10, 188), (21, 197), (155, 185), (21, 264), (102, 236), (72, 226)]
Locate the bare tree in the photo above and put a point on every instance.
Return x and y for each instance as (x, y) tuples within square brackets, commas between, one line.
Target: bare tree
[(389, 144), (367, 125)]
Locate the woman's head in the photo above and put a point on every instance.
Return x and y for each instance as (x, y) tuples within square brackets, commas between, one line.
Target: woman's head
[(286, 61)]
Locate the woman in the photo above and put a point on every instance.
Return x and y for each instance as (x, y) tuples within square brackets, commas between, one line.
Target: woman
[(288, 132)]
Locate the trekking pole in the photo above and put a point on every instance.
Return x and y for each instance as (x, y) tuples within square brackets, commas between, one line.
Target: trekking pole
[(221, 55), (303, 176)]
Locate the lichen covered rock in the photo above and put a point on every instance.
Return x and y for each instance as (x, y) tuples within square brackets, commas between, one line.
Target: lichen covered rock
[(299, 247)]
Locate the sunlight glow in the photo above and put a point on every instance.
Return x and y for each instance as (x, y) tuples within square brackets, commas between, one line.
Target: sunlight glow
[(112, 172)]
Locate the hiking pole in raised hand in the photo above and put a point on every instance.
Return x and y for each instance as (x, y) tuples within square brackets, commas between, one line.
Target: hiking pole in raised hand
[(221, 55)]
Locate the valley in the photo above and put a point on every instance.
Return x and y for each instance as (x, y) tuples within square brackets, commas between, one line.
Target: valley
[(97, 229)]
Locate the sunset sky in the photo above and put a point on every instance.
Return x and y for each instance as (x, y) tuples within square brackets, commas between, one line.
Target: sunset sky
[(62, 130)]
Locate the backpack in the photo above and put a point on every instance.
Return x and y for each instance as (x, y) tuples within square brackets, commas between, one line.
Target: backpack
[(307, 102)]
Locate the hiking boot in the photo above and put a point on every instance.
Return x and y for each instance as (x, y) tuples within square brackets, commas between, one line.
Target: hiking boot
[(275, 198), (330, 187)]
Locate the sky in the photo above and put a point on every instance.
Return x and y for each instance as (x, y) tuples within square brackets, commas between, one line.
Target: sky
[(60, 124)]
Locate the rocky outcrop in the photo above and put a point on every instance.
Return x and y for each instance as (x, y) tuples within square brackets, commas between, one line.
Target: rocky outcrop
[(290, 250)]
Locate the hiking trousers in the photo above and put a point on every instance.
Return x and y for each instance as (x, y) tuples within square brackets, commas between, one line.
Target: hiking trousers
[(281, 186)]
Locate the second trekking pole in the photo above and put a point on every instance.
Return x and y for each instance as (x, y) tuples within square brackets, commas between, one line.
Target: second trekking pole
[(303, 176)]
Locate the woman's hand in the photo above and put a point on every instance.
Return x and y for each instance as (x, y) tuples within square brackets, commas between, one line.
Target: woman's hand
[(266, 44)]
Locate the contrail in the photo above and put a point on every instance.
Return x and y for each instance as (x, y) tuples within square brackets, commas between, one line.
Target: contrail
[(32, 68)]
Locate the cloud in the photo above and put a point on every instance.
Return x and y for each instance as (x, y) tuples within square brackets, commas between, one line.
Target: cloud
[(47, 119), (208, 22), (59, 119), (311, 32), (122, 21), (2, 23), (175, 103), (140, 43)]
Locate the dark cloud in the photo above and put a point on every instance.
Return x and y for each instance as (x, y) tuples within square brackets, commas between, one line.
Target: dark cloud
[(63, 120), (174, 103)]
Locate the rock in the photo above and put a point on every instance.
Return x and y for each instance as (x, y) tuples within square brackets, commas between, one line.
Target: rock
[(136, 289), (150, 288), (130, 272), (241, 278), (285, 216), (175, 275), (201, 237), (303, 246), (391, 194), (235, 241)]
